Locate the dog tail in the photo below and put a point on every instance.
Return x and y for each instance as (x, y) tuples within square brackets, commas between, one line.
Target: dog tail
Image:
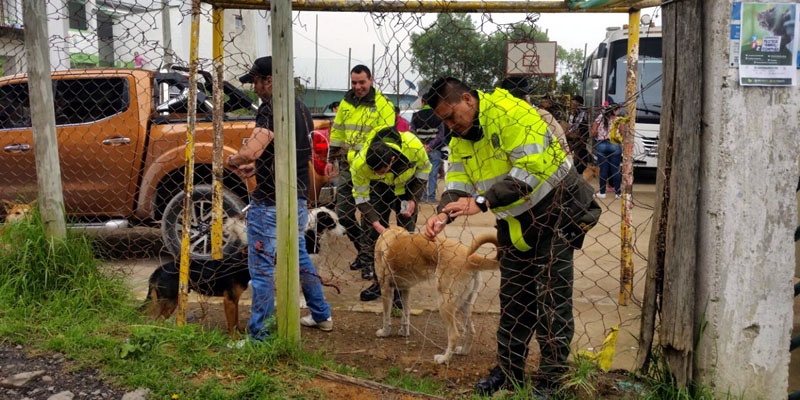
[(478, 262), (481, 240)]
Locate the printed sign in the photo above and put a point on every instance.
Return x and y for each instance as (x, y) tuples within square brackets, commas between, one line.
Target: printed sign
[(768, 44)]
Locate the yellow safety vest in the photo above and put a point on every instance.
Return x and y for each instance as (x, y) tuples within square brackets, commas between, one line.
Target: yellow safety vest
[(516, 142), (411, 147), (352, 124)]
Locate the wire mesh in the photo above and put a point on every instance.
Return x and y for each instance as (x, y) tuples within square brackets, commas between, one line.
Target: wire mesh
[(121, 91)]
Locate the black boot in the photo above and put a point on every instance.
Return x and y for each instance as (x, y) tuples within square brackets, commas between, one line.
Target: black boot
[(496, 380), (371, 293), (367, 273), (356, 265)]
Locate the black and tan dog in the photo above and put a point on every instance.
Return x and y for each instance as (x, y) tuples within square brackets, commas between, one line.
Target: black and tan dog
[(226, 278)]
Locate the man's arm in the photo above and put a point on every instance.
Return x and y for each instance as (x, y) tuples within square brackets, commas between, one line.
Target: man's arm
[(526, 139), (337, 147), (258, 141), (457, 183)]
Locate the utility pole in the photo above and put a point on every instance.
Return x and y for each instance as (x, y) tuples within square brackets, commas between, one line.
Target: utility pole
[(349, 57), (45, 144), (373, 59), (316, 58), (397, 87), (166, 34)]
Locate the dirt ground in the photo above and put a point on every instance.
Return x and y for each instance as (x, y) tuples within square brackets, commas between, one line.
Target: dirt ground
[(353, 342)]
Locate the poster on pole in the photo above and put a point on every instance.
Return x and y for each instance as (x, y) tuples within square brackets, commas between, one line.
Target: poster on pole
[(768, 44)]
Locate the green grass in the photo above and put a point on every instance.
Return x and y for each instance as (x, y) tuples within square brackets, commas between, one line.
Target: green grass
[(53, 297), (397, 377)]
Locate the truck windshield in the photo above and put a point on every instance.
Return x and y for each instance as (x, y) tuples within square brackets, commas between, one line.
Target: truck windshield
[(648, 106)]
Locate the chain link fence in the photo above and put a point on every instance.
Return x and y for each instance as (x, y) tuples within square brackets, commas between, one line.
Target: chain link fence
[(121, 89)]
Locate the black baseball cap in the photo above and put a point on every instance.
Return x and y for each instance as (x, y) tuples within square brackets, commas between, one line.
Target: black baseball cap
[(261, 67)]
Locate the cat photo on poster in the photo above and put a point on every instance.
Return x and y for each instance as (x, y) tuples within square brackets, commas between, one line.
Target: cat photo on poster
[(768, 44)]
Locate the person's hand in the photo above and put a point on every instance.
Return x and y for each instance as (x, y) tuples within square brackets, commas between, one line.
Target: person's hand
[(246, 170), (411, 206), (427, 148), (378, 227), (463, 206), (229, 161), (331, 170), (435, 225)]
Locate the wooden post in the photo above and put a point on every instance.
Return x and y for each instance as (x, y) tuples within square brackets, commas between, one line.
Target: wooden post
[(631, 97), (188, 172), (216, 161), (673, 243), (684, 109), (45, 145), (286, 261)]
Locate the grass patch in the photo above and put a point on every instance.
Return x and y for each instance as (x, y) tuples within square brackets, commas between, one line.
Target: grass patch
[(54, 297), (397, 377)]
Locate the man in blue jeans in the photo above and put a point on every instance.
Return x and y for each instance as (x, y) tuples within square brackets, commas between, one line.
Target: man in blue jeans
[(261, 216)]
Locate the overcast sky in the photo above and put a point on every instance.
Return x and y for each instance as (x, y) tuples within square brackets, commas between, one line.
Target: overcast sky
[(339, 32)]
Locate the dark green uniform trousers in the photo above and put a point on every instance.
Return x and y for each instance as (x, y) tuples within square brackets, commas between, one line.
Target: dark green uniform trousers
[(384, 201), (536, 289), (346, 207)]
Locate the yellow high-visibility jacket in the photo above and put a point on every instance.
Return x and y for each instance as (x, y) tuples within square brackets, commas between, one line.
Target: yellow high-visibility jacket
[(355, 120), (514, 143), (411, 167)]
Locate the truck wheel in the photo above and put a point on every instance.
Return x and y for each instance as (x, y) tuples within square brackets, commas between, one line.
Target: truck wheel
[(200, 244)]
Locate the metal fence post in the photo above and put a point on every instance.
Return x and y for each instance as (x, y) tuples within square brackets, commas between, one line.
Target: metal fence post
[(183, 277), (216, 162), (631, 96), (286, 270), (45, 145)]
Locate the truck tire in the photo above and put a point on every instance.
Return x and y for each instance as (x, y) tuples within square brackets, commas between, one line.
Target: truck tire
[(200, 247)]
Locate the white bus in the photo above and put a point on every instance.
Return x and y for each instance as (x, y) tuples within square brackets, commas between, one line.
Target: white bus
[(604, 76)]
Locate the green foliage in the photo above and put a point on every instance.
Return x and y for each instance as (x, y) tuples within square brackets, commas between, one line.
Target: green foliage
[(454, 46)]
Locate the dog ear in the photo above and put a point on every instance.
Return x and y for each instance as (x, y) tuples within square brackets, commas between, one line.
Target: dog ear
[(33, 203), (8, 204)]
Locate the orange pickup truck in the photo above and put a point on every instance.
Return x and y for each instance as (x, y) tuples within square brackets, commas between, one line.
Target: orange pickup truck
[(121, 139)]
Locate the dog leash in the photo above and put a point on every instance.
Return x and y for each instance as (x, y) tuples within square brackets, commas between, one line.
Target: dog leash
[(260, 249)]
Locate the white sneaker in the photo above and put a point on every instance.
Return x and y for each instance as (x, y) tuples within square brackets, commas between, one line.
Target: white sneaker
[(325, 326), (600, 195)]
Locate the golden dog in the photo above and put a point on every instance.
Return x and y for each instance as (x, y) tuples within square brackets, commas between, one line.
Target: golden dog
[(404, 259), (16, 211)]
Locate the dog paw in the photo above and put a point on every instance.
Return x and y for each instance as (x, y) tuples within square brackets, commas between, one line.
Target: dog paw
[(461, 350), (383, 332), (441, 358), (405, 331)]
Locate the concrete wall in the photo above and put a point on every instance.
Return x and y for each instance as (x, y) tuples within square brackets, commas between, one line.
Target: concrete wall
[(748, 213)]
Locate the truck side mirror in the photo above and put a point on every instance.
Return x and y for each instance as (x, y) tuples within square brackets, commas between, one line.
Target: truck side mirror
[(597, 68)]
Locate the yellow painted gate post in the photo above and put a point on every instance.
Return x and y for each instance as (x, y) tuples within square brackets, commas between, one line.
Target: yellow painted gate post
[(286, 261), (631, 96), (216, 166), (188, 174)]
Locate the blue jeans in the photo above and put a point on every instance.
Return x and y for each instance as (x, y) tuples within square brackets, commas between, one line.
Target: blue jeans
[(262, 239), (435, 157), (609, 158)]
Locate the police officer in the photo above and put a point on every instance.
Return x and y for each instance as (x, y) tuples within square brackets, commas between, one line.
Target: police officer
[(389, 174), (362, 110), (504, 152)]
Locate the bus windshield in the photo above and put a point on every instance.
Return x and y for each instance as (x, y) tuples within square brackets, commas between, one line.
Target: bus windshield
[(648, 106)]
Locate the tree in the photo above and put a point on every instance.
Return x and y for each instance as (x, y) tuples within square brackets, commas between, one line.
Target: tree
[(453, 46)]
